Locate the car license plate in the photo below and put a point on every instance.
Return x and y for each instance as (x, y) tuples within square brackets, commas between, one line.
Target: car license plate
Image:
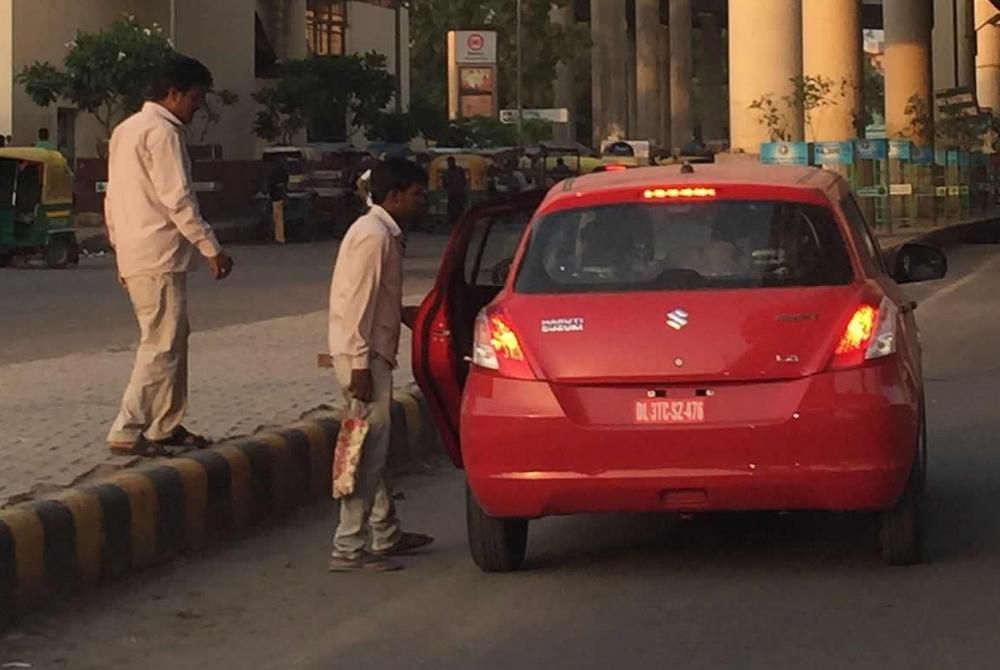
[(669, 412)]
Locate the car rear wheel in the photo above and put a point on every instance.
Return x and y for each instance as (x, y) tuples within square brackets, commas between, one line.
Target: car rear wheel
[(497, 545), (900, 534)]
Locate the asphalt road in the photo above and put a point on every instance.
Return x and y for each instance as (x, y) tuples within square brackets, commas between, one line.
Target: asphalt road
[(47, 313), (751, 591)]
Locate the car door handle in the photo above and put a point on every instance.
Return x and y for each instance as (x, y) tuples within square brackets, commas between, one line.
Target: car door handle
[(441, 332)]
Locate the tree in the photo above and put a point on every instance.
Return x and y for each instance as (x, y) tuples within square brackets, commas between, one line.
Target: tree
[(393, 128), (810, 94), (322, 95), (480, 132), (544, 44), (107, 74), (873, 93), (211, 113)]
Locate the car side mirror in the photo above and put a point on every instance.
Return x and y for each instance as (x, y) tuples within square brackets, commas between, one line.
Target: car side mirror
[(914, 262)]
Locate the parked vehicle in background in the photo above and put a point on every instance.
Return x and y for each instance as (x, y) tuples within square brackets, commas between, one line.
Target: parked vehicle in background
[(36, 207), (677, 340)]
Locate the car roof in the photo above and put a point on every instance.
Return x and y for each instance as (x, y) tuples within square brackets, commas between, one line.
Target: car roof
[(744, 173)]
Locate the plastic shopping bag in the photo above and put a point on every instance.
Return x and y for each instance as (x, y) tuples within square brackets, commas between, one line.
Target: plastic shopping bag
[(347, 453)]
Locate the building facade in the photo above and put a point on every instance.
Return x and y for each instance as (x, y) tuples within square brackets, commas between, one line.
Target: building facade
[(240, 40)]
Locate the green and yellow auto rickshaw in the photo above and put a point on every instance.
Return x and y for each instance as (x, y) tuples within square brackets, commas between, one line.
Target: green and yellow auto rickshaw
[(36, 207)]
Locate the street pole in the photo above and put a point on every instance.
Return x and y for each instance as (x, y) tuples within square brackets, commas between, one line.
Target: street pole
[(399, 57), (520, 88), (173, 23)]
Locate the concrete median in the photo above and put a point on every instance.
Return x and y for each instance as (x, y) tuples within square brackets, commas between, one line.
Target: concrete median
[(84, 537)]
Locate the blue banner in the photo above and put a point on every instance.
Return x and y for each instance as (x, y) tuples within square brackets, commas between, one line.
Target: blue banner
[(833, 153), (871, 150), (923, 155), (900, 150), (784, 153)]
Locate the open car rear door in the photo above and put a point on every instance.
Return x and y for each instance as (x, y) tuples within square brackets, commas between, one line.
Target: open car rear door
[(473, 270)]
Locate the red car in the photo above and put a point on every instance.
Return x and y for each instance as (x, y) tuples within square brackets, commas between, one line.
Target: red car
[(679, 340)]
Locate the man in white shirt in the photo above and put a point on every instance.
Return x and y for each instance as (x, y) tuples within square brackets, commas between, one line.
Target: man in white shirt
[(366, 311), (155, 226)]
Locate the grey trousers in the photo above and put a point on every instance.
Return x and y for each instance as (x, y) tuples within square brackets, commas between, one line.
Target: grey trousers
[(370, 509), (156, 398)]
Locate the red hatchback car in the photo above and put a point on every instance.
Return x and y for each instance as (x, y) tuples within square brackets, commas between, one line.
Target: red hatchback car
[(669, 339)]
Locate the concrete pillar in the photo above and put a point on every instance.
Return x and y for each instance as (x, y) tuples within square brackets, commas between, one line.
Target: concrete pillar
[(664, 79), (294, 45), (648, 32), (908, 69), (765, 55), (831, 42), (988, 57), (713, 98), (681, 75), (6, 67), (954, 44), (609, 37), (231, 62), (564, 86)]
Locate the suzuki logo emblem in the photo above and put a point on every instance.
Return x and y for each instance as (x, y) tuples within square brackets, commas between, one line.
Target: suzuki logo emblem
[(677, 319)]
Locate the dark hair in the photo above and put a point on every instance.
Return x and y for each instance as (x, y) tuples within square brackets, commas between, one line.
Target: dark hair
[(182, 74), (43, 134), (395, 174)]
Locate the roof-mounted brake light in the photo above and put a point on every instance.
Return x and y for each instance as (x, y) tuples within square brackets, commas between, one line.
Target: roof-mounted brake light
[(675, 193)]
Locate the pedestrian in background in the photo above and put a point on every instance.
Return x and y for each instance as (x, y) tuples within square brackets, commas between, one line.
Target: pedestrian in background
[(366, 313), (456, 186), (44, 140), (155, 226), (275, 186)]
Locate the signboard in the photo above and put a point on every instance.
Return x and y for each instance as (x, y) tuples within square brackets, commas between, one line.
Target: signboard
[(509, 116), (626, 148), (954, 190), (872, 192), (923, 155), (900, 189), (833, 153), (472, 73), (940, 191), (900, 150), (871, 150), (784, 153), (476, 47)]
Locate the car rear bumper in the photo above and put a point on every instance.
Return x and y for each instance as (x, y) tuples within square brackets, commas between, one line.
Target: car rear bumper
[(844, 441)]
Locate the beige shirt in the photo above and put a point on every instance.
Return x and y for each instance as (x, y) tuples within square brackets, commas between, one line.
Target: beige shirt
[(366, 294), (152, 214)]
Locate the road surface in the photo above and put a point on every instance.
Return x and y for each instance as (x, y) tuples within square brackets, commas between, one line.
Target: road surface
[(754, 591)]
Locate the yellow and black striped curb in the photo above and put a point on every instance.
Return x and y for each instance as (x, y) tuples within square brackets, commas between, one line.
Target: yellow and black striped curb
[(95, 534)]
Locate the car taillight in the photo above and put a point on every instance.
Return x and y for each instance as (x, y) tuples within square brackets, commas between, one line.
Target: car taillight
[(870, 334), (496, 346)]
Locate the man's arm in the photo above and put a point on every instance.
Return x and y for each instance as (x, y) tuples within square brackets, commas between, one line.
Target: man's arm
[(174, 190), (360, 279)]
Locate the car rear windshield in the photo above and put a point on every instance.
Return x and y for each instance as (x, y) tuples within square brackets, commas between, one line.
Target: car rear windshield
[(684, 246)]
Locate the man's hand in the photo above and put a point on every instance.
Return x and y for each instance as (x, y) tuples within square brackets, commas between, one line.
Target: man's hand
[(361, 386), (410, 316), (220, 265)]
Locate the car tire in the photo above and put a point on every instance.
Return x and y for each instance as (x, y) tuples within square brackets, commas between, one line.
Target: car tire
[(496, 545), (61, 252), (900, 534)]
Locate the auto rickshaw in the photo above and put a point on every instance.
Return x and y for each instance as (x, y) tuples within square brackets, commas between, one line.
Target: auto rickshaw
[(36, 207), (476, 170)]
